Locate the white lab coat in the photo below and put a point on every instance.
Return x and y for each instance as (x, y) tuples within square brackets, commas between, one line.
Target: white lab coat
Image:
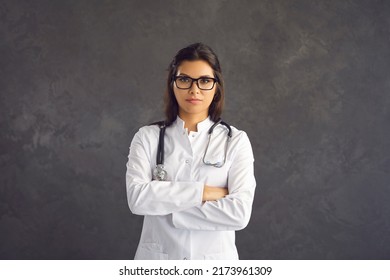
[(177, 225)]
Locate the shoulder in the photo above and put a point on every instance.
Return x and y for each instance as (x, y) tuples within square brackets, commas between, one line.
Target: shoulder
[(147, 132), (151, 128), (240, 140), (243, 147), (237, 134), (241, 137)]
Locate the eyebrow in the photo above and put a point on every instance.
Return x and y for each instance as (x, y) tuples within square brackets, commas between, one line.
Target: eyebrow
[(203, 76)]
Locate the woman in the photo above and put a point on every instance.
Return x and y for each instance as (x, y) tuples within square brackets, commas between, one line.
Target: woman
[(207, 185)]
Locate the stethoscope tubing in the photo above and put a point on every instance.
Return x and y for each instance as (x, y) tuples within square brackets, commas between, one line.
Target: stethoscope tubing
[(160, 148)]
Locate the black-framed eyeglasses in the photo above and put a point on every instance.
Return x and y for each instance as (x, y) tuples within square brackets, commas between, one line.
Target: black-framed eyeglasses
[(203, 83)]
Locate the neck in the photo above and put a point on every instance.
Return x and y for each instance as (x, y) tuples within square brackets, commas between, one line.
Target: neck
[(191, 120)]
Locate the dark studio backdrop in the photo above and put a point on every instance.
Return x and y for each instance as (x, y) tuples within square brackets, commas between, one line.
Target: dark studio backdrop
[(307, 80)]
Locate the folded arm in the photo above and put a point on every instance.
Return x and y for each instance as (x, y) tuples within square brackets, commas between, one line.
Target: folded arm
[(233, 211), (147, 197)]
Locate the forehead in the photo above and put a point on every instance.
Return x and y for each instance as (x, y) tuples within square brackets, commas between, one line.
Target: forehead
[(195, 68)]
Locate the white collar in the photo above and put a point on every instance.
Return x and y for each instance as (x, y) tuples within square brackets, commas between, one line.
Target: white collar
[(201, 126)]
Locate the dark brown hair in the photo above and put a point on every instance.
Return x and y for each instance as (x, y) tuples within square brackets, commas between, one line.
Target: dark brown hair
[(197, 51)]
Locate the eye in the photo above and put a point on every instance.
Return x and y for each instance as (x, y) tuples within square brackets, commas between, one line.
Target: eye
[(206, 81), (184, 79)]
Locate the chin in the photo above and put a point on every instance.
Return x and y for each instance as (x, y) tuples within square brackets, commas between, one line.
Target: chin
[(194, 111)]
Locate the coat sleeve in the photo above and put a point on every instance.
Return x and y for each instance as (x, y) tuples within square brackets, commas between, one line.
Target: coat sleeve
[(148, 197), (233, 211)]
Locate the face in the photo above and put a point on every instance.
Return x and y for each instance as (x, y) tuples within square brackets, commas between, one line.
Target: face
[(194, 101)]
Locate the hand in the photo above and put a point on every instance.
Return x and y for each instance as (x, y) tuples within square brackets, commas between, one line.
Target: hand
[(213, 193)]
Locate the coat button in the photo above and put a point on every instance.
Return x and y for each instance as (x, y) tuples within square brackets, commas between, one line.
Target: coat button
[(187, 161)]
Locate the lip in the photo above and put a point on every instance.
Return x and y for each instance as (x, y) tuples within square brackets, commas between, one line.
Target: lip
[(194, 101)]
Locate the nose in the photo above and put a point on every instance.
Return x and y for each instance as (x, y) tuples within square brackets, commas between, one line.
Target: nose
[(194, 89)]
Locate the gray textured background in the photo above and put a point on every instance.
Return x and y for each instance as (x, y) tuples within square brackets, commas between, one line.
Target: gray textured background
[(307, 80)]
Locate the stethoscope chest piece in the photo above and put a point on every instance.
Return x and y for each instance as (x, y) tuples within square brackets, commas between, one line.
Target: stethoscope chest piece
[(159, 173)]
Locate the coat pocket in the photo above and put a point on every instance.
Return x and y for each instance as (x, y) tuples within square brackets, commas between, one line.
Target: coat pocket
[(150, 251)]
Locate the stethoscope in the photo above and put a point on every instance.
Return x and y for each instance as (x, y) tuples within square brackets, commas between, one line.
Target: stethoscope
[(160, 174)]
